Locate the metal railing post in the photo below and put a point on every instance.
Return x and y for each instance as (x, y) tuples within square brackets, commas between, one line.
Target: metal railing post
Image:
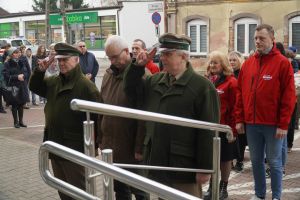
[(216, 166), (108, 184), (89, 150)]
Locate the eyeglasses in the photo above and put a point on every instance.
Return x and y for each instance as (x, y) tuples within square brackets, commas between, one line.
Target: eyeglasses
[(115, 57), (82, 46)]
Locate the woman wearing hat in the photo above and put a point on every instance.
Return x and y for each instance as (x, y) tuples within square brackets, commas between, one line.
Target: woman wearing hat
[(220, 74), (15, 74)]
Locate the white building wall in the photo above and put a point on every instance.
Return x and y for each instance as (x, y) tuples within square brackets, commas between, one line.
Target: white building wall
[(135, 22)]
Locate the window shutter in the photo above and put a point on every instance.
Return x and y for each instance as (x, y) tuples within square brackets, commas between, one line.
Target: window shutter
[(241, 38), (203, 38), (193, 36), (296, 36), (252, 28)]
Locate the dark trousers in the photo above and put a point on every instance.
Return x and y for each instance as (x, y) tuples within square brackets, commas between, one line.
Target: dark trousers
[(70, 173), (124, 192), (1, 94), (17, 112), (241, 142), (291, 130)]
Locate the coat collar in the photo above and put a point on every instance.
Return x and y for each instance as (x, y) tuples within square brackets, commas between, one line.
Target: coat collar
[(178, 87), (183, 80)]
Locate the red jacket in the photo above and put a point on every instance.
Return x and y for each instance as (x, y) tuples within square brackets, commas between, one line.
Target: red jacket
[(266, 90), (153, 68), (227, 89)]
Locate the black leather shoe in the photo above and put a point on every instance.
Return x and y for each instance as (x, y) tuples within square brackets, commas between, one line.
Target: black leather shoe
[(23, 125), (17, 125)]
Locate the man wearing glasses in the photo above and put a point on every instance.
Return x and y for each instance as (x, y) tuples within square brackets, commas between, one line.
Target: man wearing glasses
[(123, 135), (89, 64)]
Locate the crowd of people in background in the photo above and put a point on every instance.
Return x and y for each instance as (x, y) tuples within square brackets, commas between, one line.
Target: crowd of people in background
[(255, 96)]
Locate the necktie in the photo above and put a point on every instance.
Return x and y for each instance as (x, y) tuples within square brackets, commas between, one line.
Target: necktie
[(172, 80)]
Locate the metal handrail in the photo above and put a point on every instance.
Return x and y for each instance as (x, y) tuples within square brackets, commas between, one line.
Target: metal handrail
[(120, 174), (111, 110), (105, 109)]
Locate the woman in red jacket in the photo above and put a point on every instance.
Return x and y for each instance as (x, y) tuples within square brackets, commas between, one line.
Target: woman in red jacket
[(221, 75)]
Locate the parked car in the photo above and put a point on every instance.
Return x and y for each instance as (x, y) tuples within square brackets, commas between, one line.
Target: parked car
[(17, 42)]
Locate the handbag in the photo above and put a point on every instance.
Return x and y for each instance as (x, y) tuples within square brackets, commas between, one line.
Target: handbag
[(11, 94)]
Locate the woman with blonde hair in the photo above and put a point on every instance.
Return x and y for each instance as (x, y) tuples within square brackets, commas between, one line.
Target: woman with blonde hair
[(220, 74), (236, 60)]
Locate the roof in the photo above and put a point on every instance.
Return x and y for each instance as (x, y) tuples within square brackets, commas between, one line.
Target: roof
[(20, 14), (3, 12)]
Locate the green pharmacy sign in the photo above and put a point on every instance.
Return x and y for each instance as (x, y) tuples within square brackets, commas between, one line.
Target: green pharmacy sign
[(87, 17)]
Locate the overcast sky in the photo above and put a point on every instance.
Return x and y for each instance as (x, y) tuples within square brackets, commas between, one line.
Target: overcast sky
[(26, 5)]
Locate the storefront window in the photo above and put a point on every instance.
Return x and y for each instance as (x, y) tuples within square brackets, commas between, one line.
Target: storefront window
[(85, 26), (56, 34), (35, 31), (9, 30), (95, 34)]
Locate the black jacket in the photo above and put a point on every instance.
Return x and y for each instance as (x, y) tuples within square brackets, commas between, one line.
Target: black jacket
[(11, 71)]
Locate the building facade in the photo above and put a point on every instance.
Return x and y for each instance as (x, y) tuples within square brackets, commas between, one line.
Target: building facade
[(227, 25), (129, 19)]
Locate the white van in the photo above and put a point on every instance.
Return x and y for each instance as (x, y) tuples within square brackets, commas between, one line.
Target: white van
[(17, 42)]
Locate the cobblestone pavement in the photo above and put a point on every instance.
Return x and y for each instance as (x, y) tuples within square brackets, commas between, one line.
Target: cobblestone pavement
[(20, 178)]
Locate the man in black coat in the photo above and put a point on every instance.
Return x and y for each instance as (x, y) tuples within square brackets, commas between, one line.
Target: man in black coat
[(88, 62)]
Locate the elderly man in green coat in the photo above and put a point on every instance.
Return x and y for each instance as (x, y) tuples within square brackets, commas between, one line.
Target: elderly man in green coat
[(179, 92), (63, 125)]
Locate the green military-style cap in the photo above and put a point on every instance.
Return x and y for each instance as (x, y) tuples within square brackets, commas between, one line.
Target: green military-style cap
[(64, 50), (174, 41)]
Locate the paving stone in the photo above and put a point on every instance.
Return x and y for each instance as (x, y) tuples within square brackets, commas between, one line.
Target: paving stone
[(20, 178)]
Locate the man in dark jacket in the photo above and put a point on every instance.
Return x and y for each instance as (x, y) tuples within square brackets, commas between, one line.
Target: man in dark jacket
[(265, 103), (120, 134), (63, 125), (89, 64), (180, 92)]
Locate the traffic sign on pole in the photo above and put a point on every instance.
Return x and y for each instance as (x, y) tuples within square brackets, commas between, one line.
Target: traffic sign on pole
[(156, 18)]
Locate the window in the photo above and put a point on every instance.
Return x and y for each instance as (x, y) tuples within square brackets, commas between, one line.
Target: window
[(244, 30), (95, 35), (197, 31), (9, 30), (294, 32), (35, 31)]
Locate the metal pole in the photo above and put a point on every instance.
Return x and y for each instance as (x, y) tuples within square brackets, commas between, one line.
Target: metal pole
[(47, 24), (216, 166), (89, 150), (108, 191)]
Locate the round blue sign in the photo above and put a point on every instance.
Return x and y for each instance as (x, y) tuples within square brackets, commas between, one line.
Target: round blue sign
[(156, 18)]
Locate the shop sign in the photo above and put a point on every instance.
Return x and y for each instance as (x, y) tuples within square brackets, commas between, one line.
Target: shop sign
[(87, 17), (155, 7)]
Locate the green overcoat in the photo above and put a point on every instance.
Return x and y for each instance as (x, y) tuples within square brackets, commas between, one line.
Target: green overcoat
[(191, 96), (63, 125)]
